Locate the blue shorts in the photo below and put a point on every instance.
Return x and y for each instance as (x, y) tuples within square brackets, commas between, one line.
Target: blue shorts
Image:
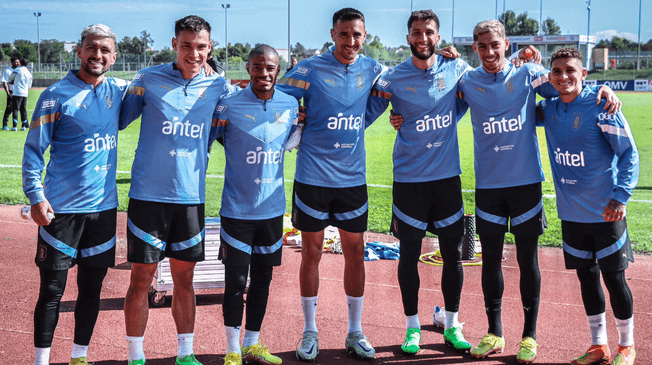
[(243, 241), (519, 206)]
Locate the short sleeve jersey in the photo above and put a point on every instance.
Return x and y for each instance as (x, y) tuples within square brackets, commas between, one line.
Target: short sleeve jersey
[(79, 123), (426, 146), (22, 79), (5, 78), (506, 147), (592, 154), (172, 154), (254, 132), (332, 152)]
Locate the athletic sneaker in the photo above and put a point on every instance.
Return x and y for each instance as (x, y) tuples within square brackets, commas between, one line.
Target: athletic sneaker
[(137, 362), (527, 351), (188, 360), (308, 346), (489, 344), (5, 128), (597, 354), (259, 354), (14, 129), (357, 344), (233, 358), (78, 361), (412, 341), (454, 338), (626, 355)]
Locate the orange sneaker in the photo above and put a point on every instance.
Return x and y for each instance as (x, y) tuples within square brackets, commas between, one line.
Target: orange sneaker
[(626, 355), (597, 354)]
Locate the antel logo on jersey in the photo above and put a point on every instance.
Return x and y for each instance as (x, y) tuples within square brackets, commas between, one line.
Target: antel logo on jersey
[(302, 71), (50, 103), (186, 129), (607, 116), (259, 156), (98, 143), (433, 123), (343, 122), (569, 159), (504, 125)]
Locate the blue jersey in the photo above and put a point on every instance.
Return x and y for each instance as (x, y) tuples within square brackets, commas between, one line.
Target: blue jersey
[(80, 125), (592, 154), (332, 152), (172, 154), (506, 147), (426, 147), (254, 133)]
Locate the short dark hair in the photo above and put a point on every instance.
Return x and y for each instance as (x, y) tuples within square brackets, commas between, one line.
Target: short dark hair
[(262, 50), (423, 15), (568, 52), (24, 62), (192, 23), (14, 58), (347, 14)]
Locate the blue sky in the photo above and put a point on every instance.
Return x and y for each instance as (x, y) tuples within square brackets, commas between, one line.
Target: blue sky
[(265, 21)]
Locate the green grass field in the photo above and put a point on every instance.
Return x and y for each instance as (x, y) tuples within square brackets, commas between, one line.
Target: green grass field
[(380, 141)]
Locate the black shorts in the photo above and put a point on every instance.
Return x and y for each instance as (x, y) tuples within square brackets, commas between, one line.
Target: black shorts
[(433, 206), (315, 207), (87, 239), (159, 230), (244, 241), (521, 206), (607, 244)]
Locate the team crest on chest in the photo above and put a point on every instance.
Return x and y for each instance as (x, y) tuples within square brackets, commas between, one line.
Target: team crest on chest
[(359, 83), (509, 87), (577, 121), (441, 83), (109, 103), (202, 93)]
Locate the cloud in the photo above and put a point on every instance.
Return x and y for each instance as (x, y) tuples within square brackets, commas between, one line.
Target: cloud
[(608, 34)]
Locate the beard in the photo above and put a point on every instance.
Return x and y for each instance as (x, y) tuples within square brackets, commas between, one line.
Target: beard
[(422, 55), (92, 71)]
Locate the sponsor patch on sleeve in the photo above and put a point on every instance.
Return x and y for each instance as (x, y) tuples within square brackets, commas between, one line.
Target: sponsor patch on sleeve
[(138, 76), (302, 70), (49, 103), (220, 109), (383, 83)]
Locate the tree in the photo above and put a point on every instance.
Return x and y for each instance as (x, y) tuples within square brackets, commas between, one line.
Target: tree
[(146, 39), (50, 50), (26, 49), (130, 45), (299, 50), (550, 27), (325, 47), (518, 25), (165, 56)]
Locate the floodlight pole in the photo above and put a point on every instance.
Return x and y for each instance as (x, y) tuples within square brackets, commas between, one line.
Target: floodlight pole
[(226, 39), (588, 32), (453, 23), (541, 17), (638, 56), (38, 39), (289, 43)]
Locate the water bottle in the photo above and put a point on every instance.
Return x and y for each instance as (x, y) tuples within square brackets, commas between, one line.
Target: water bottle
[(26, 213)]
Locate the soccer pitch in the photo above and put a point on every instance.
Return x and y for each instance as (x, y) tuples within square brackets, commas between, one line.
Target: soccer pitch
[(380, 142)]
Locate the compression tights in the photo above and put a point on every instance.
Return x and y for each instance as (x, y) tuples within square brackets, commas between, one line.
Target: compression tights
[(593, 296), (235, 277), (493, 283), (87, 308), (451, 279)]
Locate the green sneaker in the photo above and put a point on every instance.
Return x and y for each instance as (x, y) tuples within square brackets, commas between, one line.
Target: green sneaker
[(412, 341), (259, 354), (233, 358), (188, 360), (78, 361), (490, 344), (454, 338), (527, 351), (137, 362)]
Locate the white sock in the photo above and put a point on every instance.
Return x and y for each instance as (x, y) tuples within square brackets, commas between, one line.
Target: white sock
[(626, 331), (355, 313), (184, 341), (598, 328), (309, 306), (136, 348), (412, 322), (41, 355), (451, 320), (78, 351), (250, 338), (232, 340)]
